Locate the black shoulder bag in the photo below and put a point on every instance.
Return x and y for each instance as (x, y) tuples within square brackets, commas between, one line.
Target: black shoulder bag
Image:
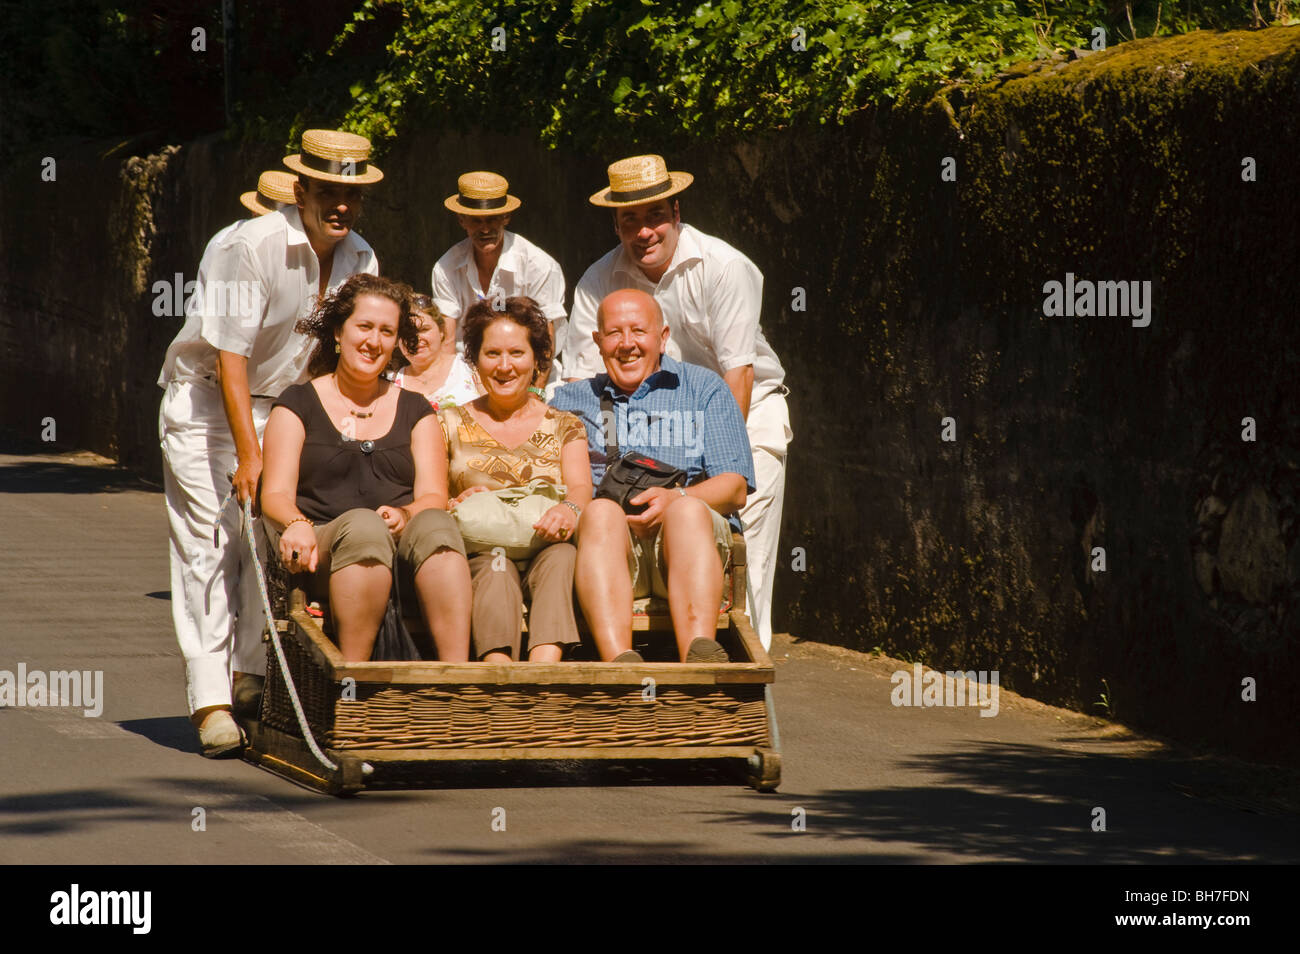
[(626, 475)]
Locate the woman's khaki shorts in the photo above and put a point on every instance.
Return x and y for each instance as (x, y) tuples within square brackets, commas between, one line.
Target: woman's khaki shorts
[(361, 535)]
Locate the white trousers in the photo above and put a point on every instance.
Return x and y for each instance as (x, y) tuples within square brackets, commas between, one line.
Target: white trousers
[(769, 436), (216, 607)]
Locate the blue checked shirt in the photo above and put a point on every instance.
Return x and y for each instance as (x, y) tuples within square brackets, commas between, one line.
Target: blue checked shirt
[(683, 415)]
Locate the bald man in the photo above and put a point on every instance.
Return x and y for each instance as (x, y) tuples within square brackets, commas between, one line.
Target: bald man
[(671, 542)]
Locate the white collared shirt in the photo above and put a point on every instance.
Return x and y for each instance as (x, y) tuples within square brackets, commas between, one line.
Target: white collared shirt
[(523, 269), (262, 277), (188, 355), (711, 296)]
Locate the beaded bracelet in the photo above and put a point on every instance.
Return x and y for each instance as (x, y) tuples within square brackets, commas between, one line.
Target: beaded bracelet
[(572, 506), (298, 519)]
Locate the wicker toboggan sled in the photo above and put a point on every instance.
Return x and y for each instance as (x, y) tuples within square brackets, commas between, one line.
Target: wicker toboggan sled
[(399, 724)]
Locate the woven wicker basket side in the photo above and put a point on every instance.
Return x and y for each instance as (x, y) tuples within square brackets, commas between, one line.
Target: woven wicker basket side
[(523, 716), (316, 690)]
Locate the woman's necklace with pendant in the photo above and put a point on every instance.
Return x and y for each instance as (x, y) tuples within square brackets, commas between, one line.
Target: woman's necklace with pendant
[(355, 412)]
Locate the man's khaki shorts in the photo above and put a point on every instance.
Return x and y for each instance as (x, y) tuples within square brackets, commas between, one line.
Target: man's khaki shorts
[(646, 563)]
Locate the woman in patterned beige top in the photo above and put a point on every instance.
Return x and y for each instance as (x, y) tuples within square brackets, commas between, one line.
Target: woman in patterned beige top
[(507, 438)]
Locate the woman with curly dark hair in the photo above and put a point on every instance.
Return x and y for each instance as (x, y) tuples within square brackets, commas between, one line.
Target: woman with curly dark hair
[(508, 438), (332, 312), (355, 474)]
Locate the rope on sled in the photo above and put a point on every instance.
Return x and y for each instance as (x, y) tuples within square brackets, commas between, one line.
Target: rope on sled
[(275, 632)]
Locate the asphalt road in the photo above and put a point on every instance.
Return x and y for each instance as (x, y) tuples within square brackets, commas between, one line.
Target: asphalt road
[(84, 585)]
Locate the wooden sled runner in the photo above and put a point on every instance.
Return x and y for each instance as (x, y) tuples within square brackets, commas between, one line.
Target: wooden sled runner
[(403, 724)]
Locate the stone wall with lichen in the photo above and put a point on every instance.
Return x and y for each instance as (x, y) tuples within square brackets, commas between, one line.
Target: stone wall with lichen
[(75, 248), (1167, 161), (924, 301), (1164, 161)]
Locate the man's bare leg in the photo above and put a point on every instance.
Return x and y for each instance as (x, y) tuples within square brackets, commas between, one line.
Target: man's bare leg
[(601, 578), (694, 571)]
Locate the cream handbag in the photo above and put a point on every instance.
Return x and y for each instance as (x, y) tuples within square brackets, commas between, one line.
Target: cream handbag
[(504, 518)]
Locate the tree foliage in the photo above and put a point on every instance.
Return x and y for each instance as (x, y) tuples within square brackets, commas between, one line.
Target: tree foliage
[(580, 73), (588, 72)]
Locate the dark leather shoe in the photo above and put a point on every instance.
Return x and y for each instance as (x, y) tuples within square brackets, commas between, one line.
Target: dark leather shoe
[(246, 699)]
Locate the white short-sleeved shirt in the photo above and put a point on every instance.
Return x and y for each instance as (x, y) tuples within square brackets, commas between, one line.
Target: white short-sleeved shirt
[(523, 269), (711, 296), (262, 278), (188, 354)]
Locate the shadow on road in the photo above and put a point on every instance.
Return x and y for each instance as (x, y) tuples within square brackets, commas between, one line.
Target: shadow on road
[(172, 732), (1029, 803), (78, 809), (53, 476), (996, 802), (88, 809)]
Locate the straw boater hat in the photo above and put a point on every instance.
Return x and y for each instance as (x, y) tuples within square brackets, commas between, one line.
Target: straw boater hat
[(334, 156), (273, 187), (640, 179), (482, 193)]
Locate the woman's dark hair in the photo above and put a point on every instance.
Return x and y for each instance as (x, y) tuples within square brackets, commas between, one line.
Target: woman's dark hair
[(524, 312), (324, 323)]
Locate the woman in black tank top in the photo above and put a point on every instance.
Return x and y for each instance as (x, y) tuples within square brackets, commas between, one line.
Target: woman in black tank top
[(355, 476)]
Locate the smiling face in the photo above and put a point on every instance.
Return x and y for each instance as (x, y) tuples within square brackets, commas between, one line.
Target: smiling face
[(649, 234), (430, 338), (329, 210), (631, 336), (487, 232), (506, 364), (368, 336)]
